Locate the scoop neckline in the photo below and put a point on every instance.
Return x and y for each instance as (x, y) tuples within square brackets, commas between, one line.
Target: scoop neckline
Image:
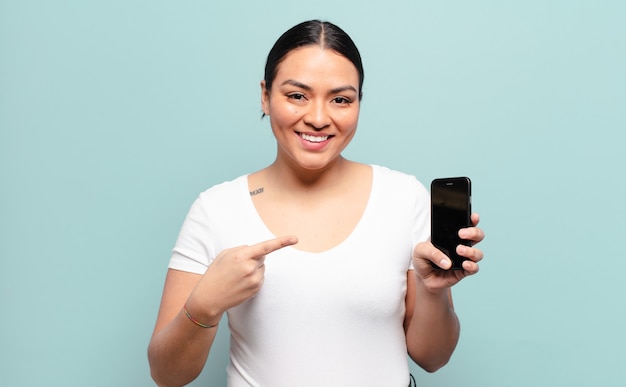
[(260, 223)]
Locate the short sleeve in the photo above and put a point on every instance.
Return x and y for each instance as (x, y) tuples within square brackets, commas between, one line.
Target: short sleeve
[(421, 224), (421, 213), (192, 251)]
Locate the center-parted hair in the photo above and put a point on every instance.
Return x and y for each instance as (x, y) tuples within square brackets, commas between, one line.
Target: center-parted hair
[(313, 32)]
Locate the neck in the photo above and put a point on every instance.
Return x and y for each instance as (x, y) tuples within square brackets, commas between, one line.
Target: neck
[(292, 177)]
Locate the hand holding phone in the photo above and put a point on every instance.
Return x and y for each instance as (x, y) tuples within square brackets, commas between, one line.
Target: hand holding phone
[(451, 209)]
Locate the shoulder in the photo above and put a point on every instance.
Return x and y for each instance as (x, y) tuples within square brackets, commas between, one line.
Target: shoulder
[(398, 182), (225, 190), (220, 197)]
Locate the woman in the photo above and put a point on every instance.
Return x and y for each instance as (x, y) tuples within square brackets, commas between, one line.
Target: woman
[(322, 264)]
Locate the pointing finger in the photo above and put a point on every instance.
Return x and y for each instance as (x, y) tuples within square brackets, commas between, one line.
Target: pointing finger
[(263, 248)]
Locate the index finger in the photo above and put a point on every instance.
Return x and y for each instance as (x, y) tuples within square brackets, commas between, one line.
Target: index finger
[(473, 234), (263, 248)]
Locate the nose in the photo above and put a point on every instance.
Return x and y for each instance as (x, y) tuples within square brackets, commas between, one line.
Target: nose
[(317, 116)]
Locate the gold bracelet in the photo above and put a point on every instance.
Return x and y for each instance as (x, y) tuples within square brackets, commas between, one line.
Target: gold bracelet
[(193, 320)]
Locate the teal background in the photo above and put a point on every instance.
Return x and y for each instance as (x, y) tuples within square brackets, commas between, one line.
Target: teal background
[(115, 115)]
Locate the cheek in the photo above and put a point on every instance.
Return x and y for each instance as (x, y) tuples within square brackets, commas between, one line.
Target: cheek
[(348, 121), (284, 115)]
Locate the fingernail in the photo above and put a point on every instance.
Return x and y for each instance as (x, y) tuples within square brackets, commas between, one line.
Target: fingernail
[(445, 263)]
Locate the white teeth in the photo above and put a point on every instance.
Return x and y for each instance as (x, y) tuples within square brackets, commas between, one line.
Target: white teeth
[(313, 138)]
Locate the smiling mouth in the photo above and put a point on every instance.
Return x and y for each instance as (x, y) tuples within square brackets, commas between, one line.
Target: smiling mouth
[(316, 139)]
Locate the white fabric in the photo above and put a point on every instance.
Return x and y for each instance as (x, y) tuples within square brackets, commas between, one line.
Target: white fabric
[(321, 319)]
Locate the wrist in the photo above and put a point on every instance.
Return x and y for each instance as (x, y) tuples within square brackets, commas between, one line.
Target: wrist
[(429, 291), (202, 315), (197, 322)]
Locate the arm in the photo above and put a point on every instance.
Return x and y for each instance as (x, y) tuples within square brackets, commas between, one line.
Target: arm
[(431, 325), (179, 347)]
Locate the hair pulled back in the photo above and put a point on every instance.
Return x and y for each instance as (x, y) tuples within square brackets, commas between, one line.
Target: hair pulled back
[(313, 32)]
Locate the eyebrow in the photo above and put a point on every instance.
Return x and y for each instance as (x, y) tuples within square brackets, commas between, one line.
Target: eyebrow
[(309, 88)]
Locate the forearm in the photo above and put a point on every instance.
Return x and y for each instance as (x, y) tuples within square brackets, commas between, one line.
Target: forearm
[(177, 353), (433, 331)]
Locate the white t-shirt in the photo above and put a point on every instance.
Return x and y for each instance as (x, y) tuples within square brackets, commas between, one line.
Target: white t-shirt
[(333, 318)]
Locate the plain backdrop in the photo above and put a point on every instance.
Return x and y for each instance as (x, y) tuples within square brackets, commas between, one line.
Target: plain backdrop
[(115, 115)]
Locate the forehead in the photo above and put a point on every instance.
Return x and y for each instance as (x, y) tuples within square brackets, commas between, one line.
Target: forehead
[(315, 64)]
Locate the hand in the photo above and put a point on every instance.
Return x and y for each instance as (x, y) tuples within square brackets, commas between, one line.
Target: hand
[(235, 275), (437, 280)]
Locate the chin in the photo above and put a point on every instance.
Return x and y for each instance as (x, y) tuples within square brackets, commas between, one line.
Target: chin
[(317, 165)]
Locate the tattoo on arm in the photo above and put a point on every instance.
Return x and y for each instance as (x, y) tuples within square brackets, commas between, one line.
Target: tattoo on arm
[(256, 191)]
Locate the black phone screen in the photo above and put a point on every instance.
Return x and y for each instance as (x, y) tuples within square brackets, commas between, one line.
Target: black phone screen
[(450, 211)]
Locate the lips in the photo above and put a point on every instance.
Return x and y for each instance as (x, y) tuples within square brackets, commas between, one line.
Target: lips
[(314, 138)]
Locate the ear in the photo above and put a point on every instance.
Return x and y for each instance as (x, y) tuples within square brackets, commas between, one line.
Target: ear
[(265, 99)]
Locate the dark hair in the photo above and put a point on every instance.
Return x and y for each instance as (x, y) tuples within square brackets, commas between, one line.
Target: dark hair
[(313, 32)]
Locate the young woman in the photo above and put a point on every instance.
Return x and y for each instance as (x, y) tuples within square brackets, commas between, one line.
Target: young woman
[(322, 264)]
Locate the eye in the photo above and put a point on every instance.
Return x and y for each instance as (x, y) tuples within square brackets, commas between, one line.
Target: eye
[(296, 96), (341, 100)]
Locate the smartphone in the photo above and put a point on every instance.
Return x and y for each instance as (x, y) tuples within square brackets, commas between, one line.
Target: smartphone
[(451, 209)]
